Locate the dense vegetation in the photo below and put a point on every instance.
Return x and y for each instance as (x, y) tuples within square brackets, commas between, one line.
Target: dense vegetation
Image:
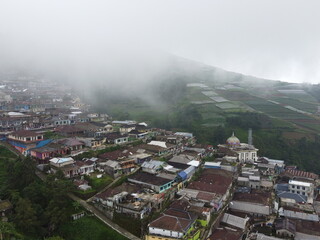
[(39, 207), (43, 208)]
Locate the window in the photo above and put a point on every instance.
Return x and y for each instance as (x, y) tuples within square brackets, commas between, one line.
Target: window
[(298, 187), (298, 192), (303, 188)]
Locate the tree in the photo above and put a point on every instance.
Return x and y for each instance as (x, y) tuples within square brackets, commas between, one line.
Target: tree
[(25, 217), (54, 238), (7, 231), (76, 205)]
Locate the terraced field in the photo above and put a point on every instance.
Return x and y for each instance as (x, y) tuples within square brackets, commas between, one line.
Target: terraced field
[(276, 110)]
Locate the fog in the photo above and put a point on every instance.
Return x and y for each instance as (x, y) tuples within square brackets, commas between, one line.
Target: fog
[(109, 41)]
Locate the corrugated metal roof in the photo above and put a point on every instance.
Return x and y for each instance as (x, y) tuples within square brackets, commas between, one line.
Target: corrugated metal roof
[(235, 220)]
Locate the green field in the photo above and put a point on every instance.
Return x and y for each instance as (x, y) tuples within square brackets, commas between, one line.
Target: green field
[(277, 110), (299, 104), (88, 228), (5, 153), (99, 183)]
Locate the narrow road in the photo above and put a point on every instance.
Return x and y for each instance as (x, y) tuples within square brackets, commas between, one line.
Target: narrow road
[(103, 218)]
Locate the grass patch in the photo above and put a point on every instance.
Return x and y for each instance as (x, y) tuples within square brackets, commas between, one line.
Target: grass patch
[(85, 194), (129, 223), (88, 228), (99, 183), (6, 153)]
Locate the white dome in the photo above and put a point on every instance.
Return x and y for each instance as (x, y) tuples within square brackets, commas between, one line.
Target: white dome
[(233, 141)]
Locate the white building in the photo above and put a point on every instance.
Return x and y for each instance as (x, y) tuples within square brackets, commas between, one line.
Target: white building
[(302, 188), (246, 153), (60, 162)]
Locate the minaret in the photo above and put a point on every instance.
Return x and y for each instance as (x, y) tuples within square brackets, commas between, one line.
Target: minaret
[(250, 136)]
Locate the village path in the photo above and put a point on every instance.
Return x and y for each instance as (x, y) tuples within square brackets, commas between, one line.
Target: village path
[(103, 218)]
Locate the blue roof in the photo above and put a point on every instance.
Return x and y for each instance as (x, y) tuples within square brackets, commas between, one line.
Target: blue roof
[(297, 197), (243, 190), (183, 175), (43, 143), (17, 144), (189, 169), (283, 187)]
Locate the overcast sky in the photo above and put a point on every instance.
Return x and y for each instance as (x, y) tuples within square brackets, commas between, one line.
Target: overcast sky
[(276, 39)]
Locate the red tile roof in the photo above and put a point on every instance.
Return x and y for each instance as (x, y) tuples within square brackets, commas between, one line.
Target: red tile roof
[(301, 174), (174, 220), (254, 197), (25, 133), (225, 234), (114, 155), (213, 181), (171, 223), (71, 142)]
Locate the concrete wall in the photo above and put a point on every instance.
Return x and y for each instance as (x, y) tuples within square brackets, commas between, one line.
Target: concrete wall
[(165, 233)]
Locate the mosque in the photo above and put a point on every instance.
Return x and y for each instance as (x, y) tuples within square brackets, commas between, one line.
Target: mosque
[(245, 152)]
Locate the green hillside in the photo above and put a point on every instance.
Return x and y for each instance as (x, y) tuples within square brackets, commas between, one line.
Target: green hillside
[(211, 103)]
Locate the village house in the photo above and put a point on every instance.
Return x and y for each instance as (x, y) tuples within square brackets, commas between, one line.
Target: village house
[(25, 140), (125, 129), (285, 196), (302, 188), (152, 166), (140, 156), (42, 154), (285, 228), (129, 199), (185, 159), (93, 143), (85, 167), (66, 165), (155, 183), (25, 136), (138, 135), (256, 203), (69, 131), (111, 167), (226, 233), (116, 168), (297, 229), (73, 144), (235, 221), (211, 188), (173, 224), (115, 155), (116, 138), (62, 121), (299, 211)]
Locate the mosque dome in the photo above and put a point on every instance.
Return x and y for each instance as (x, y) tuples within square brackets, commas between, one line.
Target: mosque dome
[(233, 141)]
